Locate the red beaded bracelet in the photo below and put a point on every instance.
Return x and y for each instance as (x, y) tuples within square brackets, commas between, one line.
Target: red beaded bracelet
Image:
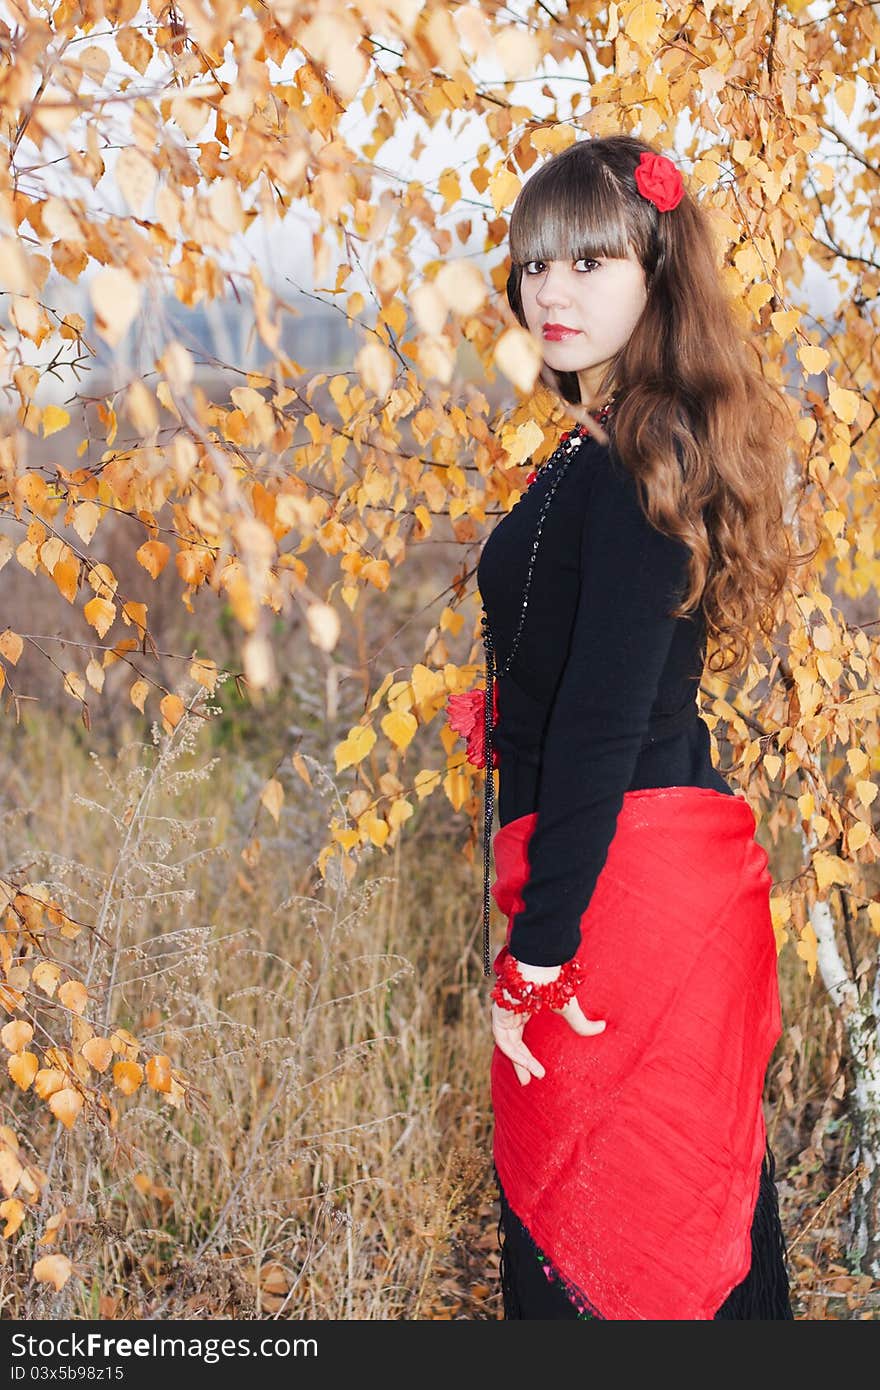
[(527, 996)]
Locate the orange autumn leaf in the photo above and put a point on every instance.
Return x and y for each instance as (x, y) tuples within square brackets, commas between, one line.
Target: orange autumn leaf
[(13, 1213), (153, 555), (128, 1076), (159, 1072), (172, 708), (138, 694), (54, 1270), (100, 612), (65, 1104), (47, 1081), (73, 995), (23, 1068), (11, 645), (98, 1053), (17, 1035)]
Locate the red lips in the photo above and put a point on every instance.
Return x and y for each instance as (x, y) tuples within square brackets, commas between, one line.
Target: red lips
[(556, 331)]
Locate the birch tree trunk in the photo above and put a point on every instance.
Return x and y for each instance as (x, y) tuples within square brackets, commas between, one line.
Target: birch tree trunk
[(859, 1006)]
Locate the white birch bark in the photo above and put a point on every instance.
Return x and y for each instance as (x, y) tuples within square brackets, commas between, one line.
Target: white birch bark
[(861, 1020)]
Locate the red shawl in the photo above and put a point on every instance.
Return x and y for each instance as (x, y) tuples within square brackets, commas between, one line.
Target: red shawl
[(634, 1162)]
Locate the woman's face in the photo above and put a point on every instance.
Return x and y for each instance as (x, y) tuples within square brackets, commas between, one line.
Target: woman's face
[(598, 301)]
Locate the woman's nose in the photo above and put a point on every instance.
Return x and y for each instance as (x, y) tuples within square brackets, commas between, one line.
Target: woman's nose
[(552, 290)]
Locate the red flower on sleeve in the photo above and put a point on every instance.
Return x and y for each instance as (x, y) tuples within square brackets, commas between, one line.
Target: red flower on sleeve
[(465, 715)]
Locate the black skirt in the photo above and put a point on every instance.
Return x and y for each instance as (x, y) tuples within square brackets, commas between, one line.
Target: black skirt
[(763, 1293)]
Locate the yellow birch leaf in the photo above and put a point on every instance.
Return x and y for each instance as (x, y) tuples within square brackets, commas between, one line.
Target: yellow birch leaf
[(643, 22), (857, 836), (874, 917), (858, 761), (11, 646), (525, 440), (377, 829), (375, 366), (138, 694), (866, 792), (95, 674), (23, 1067), (399, 811), (46, 976), (153, 555), (54, 419), (135, 613), (125, 1043), (301, 767), (48, 1081), (748, 263), (66, 576), (399, 727), (100, 613), (54, 1270), (519, 357), (75, 685), (85, 519), (205, 673), (830, 868), (426, 782), (54, 1226), (355, 747), (73, 995), (172, 710), (845, 95), (845, 404), (272, 797), (116, 297), (503, 188), (135, 177), (785, 321), (323, 624), (12, 1211), (830, 668), (815, 359), (98, 1053), (462, 286), (65, 1105), (128, 1076), (10, 1171), (808, 949), (17, 1035)]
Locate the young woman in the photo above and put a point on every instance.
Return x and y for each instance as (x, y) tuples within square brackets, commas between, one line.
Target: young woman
[(636, 1004)]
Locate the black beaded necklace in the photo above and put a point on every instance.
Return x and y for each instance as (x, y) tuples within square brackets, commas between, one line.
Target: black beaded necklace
[(557, 463)]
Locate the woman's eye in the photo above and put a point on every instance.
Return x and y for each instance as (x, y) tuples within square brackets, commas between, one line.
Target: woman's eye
[(581, 260)]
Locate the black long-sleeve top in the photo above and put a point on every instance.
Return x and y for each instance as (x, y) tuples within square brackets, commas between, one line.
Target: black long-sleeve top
[(601, 694)]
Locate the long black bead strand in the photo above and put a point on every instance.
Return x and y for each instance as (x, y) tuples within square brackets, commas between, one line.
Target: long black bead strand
[(558, 463)]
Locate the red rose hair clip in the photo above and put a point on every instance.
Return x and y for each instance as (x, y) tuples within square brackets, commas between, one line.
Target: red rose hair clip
[(466, 715), (660, 181)]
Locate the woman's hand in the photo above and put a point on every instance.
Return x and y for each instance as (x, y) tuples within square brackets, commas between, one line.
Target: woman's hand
[(507, 1026)]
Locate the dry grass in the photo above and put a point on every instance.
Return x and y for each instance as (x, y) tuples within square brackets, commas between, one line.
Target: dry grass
[(336, 1161)]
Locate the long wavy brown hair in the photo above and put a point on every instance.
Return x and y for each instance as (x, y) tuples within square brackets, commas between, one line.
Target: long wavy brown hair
[(708, 438)]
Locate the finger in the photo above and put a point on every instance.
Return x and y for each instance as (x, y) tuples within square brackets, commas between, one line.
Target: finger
[(528, 1061), (577, 1019), (522, 1076), (511, 1044)]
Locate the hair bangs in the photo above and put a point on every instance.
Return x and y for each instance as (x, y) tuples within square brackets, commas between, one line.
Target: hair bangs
[(558, 216)]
